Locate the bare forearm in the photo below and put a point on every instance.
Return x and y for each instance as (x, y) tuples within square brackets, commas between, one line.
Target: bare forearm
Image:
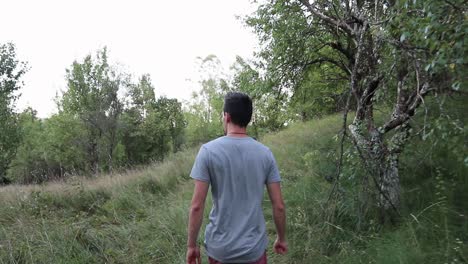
[(279, 210), (279, 215), (195, 222)]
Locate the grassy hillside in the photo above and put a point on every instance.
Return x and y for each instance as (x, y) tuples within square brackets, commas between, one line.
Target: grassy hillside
[(141, 216)]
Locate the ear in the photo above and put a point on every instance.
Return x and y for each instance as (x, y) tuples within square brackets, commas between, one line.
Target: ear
[(228, 117)]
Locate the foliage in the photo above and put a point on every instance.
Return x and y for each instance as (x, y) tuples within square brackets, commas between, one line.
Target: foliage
[(438, 28), (29, 164), (11, 71), (204, 113), (104, 122), (65, 138), (295, 56), (316, 95), (170, 111), (270, 106), (49, 149), (377, 49), (150, 127), (92, 97)]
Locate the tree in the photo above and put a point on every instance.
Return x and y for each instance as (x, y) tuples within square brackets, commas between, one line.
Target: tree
[(140, 103), (150, 127), (92, 97), (11, 71), (142, 97), (318, 93), (204, 113), (393, 53), (170, 111), (270, 103), (30, 164), (64, 141)]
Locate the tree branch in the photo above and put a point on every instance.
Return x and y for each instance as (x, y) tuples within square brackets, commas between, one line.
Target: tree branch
[(337, 46), (370, 90), (399, 118), (354, 81), (338, 23), (332, 61)]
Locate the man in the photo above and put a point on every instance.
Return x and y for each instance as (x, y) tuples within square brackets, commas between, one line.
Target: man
[(237, 167)]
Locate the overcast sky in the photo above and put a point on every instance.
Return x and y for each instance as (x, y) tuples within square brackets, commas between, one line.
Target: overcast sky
[(162, 38)]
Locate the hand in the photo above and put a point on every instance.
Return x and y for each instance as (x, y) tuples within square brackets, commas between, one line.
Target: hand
[(280, 247), (193, 255)]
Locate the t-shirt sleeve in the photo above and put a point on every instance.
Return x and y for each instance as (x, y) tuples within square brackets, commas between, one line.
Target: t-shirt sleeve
[(200, 169), (273, 172)]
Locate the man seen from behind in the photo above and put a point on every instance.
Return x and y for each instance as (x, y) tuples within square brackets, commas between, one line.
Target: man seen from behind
[(237, 167)]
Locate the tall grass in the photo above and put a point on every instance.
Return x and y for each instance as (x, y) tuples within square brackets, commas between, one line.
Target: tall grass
[(141, 216), (115, 219)]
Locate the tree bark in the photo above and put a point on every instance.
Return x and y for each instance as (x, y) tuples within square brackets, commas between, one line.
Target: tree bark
[(382, 163), (389, 183)]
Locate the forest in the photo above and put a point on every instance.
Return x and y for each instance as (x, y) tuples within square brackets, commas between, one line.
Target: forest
[(363, 102)]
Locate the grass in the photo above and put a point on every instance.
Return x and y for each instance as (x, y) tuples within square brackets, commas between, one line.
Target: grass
[(115, 219), (141, 216)]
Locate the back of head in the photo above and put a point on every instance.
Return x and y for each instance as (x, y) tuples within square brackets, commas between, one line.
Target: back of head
[(239, 107)]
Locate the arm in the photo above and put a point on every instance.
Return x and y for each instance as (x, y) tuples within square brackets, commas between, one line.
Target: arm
[(196, 212), (195, 220), (279, 216)]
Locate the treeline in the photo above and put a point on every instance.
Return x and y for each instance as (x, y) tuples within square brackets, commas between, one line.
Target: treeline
[(383, 64), (106, 120)]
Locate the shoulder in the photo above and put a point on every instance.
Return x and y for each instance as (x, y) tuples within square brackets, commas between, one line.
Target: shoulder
[(213, 143), (222, 142), (263, 147), (261, 151), (266, 153), (260, 146)]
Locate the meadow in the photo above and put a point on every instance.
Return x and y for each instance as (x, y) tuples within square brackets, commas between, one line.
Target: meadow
[(140, 216)]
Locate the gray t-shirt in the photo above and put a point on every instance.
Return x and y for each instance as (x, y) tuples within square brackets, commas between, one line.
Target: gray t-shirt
[(237, 170)]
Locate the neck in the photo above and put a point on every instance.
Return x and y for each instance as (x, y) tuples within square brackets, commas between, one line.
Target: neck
[(237, 132)]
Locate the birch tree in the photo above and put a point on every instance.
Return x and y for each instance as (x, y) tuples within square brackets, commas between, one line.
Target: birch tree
[(393, 53)]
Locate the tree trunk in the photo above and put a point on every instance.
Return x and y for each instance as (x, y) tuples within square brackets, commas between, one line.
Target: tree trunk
[(112, 145), (384, 169), (390, 183), (389, 200), (381, 162), (94, 158), (110, 161)]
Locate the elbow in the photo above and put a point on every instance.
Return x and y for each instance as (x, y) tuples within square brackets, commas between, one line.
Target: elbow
[(279, 208), (196, 208)]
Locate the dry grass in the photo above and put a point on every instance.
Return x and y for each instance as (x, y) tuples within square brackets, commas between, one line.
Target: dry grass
[(109, 182)]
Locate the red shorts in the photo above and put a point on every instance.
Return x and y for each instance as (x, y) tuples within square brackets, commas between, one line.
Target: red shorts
[(261, 260)]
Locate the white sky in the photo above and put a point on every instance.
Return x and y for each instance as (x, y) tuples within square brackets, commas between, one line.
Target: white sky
[(162, 38)]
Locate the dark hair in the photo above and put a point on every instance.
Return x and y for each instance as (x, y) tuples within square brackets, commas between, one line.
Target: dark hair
[(239, 106)]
